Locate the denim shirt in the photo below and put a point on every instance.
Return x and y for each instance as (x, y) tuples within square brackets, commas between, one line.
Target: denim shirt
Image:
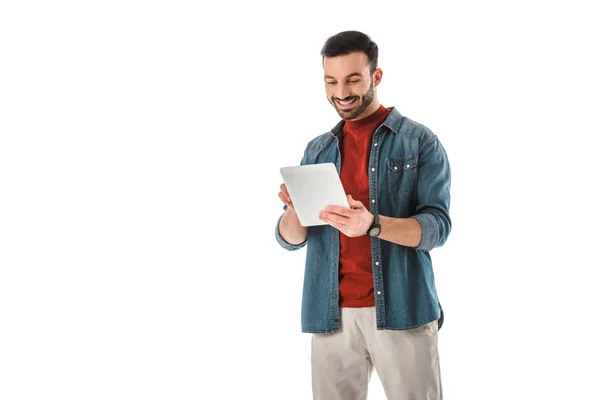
[(409, 176)]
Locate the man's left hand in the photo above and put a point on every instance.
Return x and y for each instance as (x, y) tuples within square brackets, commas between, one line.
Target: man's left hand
[(351, 222)]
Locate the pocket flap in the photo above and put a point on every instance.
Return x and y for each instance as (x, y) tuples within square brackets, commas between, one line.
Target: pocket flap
[(402, 164)]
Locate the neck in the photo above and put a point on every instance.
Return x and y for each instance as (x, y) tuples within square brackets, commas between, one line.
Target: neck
[(374, 106)]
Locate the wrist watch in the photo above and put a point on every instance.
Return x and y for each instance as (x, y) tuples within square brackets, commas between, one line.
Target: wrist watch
[(375, 228)]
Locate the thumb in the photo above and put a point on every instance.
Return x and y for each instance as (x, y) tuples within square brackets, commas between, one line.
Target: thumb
[(354, 203)]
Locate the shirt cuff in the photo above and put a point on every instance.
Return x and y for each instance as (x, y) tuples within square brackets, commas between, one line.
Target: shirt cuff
[(429, 231), (281, 240)]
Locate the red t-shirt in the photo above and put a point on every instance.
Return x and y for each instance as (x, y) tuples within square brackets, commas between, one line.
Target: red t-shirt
[(356, 273)]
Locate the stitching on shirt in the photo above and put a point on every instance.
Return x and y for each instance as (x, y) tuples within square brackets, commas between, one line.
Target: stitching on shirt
[(427, 145)]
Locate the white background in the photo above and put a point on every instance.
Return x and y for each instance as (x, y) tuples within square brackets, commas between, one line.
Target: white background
[(140, 146)]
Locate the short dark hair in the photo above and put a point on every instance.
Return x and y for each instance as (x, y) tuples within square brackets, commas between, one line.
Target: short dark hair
[(349, 42)]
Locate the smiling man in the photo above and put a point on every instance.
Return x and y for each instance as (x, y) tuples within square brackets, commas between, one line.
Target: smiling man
[(369, 297)]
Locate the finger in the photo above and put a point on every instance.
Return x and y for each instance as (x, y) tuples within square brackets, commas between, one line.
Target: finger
[(330, 218), (334, 224), (339, 210), (329, 221), (285, 192), (285, 201), (282, 197), (354, 203)]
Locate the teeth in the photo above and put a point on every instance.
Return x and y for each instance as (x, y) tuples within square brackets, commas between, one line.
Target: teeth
[(345, 103)]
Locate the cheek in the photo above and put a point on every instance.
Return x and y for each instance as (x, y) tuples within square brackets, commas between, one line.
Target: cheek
[(364, 90)]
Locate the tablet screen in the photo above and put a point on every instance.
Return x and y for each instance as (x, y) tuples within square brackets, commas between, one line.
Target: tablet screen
[(311, 188)]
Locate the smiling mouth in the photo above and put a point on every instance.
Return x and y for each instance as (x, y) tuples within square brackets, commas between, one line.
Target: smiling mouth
[(346, 104)]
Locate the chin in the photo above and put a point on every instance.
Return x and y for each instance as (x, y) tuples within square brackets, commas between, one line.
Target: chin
[(347, 116)]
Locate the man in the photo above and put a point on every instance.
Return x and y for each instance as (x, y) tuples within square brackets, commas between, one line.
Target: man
[(369, 296)]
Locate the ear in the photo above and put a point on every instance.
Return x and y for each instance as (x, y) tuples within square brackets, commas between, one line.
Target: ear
[(377, 75)]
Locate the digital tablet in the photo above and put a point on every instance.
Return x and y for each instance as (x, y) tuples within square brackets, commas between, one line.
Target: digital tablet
[(311, 188)]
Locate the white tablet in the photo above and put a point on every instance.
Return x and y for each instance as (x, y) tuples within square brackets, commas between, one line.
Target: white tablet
[(311, 188)]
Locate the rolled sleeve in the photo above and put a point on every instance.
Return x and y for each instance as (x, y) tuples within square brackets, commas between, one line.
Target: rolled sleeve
[(429, 236), (281, 240), (433, 195)]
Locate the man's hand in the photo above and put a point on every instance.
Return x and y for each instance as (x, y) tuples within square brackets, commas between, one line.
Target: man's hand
[(285, 196), (290, 228), (352, 223)]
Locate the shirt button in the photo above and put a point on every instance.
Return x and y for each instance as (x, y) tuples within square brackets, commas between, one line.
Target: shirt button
[(407, 165), (375, 145), (376, 262), (333, 294), (373, 169), (373, 201), (395, 168), (379, 292)]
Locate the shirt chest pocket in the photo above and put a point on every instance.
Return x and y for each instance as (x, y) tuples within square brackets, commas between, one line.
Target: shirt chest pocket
[(402, 175)]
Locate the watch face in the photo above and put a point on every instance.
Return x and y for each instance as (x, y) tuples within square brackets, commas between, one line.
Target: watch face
[(375, 232)]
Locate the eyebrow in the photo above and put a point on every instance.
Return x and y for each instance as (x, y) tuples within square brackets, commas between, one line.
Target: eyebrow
[(349, 76)]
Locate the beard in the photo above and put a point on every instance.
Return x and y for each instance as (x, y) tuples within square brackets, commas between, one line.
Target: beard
[(360, 105)]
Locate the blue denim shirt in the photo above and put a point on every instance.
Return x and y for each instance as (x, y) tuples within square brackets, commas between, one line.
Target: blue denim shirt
[(409, 176)]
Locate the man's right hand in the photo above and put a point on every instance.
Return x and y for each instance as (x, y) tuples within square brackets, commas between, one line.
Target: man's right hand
[(285, 196), (290, 228)]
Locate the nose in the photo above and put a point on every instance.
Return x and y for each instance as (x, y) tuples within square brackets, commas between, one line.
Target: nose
[(342, 91)]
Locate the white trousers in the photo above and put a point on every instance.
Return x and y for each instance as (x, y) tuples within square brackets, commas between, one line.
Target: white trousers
[(406, 361)]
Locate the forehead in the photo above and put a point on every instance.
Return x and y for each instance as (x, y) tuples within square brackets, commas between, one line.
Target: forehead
[(342, 66)]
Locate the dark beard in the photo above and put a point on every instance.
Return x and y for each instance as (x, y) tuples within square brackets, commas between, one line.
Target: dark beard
[(365, 101)]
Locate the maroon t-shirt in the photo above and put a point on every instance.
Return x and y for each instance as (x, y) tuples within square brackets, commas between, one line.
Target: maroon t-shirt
[(356, 273)]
